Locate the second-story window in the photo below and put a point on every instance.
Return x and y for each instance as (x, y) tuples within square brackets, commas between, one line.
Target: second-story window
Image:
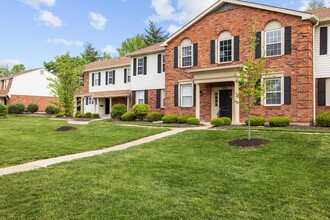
[(186, 56), (274, 42), (140, 66), (5, 85), (96, 79), (128, 75), (110, 77)]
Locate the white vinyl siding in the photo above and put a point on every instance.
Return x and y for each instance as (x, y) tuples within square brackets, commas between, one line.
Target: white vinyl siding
[(186, 93), (322, 62)]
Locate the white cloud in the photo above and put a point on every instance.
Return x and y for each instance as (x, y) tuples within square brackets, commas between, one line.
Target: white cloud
[(49, 19), (38, 3), (65, 42), (173, 28), (98, 21), (108, 49), (304, 4), (9, 62)]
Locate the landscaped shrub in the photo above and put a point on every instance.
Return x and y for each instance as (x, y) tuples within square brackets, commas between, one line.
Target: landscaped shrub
[(323, 119), (171, 118), (193, 121), (183, 119), (96, 115), (155, 116), (279, 121), (16, 109), (118, 110), (88, 115), (32, 108), (79, 115), (217, 122), (226, 120), (3, 110), (256, 121), (52, 110), (129, 116), (60, 115), (141, 110)]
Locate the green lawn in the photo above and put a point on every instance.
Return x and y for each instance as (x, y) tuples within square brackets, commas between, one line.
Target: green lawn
[(24, 139), (192, 175)]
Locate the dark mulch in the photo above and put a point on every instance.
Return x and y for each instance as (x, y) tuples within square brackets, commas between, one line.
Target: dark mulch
[(245, 142), (66, 128)]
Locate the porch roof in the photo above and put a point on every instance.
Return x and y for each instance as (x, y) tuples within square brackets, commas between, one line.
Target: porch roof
[(108, 94)]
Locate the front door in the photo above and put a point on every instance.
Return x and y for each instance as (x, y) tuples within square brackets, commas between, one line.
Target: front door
[(107, 106), (226, 103)]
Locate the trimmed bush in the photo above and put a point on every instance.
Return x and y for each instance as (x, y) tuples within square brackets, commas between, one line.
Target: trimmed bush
[(88, 115), (141, 110), (323, 119), (217, 122), (16, 109), (183, 119), (279, 121), (3, 110), (193, 121), (155, 116), (256, 121), (171, 118), (52, 110), (226, 120), (60, 115), (128, 116), (118, 110), (96, 115), (79, 115), (32, 108)]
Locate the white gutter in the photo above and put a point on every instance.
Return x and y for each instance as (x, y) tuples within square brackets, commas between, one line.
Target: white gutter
[(314, 71)]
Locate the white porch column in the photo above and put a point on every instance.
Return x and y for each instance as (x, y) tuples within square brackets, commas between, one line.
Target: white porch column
[(82, 105), (236, 106), (95, 101), (128, 103), (110, 106), (198, 104), (98, 106)]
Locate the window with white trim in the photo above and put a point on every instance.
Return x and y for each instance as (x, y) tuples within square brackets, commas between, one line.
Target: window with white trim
[(273, 91), (96, 79), (140, 66), (139, 97), (128, 75), (162, 98), (90, 100), (186, 53), (273, 39), (225, 48), (110, 77), (186, 93)]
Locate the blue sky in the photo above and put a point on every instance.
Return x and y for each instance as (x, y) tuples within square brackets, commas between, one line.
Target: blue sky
[(33, 31)]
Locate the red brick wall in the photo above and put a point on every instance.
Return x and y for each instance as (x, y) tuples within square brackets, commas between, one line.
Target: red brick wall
[(85, 89), (41, 101), (119, 100), (298, 65)]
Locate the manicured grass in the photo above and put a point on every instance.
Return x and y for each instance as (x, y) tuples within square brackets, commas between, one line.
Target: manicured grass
[(24, 139), (148, 124), (285, 129), (192, 175)]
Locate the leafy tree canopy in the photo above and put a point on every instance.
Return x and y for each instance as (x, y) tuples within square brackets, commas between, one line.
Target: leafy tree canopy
[(131, 44), (314, 4)]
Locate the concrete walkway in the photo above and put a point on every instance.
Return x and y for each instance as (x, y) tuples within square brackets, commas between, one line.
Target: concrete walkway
[(47, 162)]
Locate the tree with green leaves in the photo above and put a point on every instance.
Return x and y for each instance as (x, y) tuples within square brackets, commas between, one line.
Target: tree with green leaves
[(4, 72), (105, 56), (131, 44), (90, 53), (18, 68), (51, 67), (154, 34), (250, 89), (66, 85), (314, 4)]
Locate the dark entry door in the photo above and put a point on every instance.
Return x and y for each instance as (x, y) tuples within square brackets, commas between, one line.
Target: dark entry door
[(226, 107), (107, 106)]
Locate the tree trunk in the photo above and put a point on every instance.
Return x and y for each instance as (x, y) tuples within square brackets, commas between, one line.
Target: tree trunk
[(249, 127)]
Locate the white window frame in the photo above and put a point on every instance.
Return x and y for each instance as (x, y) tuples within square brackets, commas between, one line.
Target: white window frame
[(90, 100), (282, 42), (191, 55), (162, 98), (273, 76), (232, 49), (140, 96), (110, 76), (128, 75), (5, 85), (96, 79), (140, 66), (192, 95)]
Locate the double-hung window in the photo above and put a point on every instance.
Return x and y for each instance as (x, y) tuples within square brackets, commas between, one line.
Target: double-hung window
[(273, 42), (273, 91), (140, 66), (110, 77), (96, 79), (186, 54), (90, 100), (226, 50), (140, 97), (186, 95), (128, 75), (162, 98)]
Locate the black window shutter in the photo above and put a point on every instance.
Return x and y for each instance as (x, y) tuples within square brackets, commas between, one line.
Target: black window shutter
[(99, 78), (145, 67), (106, 78), (134, 67), (287, 34), (176, 57), (321, 92), (258, 47), (93, 79), (133, 97), (159, 63), (212, 49), (114, 77), (323, 40), (287, 90), (236, 48), (86, 100), (146, 97), (195, 52), (258, 100), (158, 94), (125, 75), (176, 95), (194, 95)]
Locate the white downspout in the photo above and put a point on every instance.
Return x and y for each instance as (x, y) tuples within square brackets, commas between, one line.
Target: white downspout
[(314, 71)]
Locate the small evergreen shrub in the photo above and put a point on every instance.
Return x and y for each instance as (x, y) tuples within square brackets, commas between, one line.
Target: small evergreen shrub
[(79, 115), (88, 115), (193, 121), (60, 115), (141, 110), (16, 109), (256, 121), (32, 108), (128, 116), (171, 118), (3, 110), (118, 110), (52, 110), (155, 116), (96, 115), (279, 121), (323, 119), (217, 122), (183, 119), (226, 120)]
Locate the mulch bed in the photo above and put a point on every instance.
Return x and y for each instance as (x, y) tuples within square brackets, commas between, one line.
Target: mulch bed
[(66, 128), (245, 142)]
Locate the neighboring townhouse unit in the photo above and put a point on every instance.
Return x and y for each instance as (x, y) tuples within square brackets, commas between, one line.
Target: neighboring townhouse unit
[(106, 83), (204, 57), (148, 77), (27, 87)]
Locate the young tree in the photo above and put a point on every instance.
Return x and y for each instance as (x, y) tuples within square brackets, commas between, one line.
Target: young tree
[(90, 53), (249, 78), (131, 44), (18, 68), (314, 4), (66, 85), (154, 34)]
